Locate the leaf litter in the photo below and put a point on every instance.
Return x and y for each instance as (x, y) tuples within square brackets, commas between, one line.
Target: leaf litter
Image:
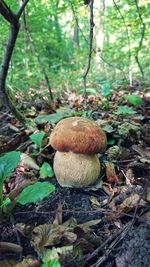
[(91, 226)]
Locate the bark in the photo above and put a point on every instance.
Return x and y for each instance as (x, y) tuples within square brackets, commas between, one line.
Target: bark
[(13, 19)]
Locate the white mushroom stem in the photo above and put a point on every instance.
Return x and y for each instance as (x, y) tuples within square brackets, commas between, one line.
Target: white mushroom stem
[(76, 170)]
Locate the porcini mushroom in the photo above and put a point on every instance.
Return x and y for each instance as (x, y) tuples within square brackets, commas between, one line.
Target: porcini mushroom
[(77, 141)]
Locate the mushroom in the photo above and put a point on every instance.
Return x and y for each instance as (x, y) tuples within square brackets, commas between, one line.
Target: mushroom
[(77, 141)]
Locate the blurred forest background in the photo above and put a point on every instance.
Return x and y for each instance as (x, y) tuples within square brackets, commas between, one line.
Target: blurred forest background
[(53, 45)]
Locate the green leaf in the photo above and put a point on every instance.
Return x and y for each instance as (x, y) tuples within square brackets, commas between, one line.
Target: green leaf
[(106, 90), (37, 138), (46, 170), (89, 91), (6, 202), (124, 110), (8, 164), (35, 193), (51, 263), (53, 118), (135, 100), (111, 141)]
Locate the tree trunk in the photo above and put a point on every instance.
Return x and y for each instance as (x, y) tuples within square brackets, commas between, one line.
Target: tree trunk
[(13, 19)]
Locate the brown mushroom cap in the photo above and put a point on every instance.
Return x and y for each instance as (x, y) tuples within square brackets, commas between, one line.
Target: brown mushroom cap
[(79, 135), (76, 170)]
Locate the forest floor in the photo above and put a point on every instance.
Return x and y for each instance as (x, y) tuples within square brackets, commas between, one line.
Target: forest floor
[(107, 224)]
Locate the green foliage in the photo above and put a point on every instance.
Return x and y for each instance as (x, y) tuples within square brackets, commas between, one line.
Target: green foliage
[(56, 117), (53, 118), (31, 194), (89, 91), (135, 100), (51, 48), (51, 263), (106, 90), (124, 110), (46, 171), (37, 138), (8, 164), (35, 192)]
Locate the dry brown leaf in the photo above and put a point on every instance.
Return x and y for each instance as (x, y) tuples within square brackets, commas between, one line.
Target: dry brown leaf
[(28, 162), (58, 215), (47, 235), (86, 226), (95, 202), (111, 176), (128, 199), (24, 229), (29, 262), (129, 176), (143, 152), (10, 247)]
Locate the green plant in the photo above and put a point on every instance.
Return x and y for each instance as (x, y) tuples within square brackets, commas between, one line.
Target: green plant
[(37, 138), (106, 92), (35, 192), (135, 100), (124, 110), (32, 193), (51, 263), (46, 170), (8, 164)]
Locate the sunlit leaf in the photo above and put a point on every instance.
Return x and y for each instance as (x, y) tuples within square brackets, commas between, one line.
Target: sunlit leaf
[(135, 100), (51, 263), (37, 138), (106, 90), (46, 170), (52, 118), (46, 235), (35, 192), (8, 164), (124, 110)]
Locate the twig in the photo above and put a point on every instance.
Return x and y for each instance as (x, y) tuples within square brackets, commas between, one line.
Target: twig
[(90, 46), (141, 39), (93, 50), (128, 40), (122, 234)]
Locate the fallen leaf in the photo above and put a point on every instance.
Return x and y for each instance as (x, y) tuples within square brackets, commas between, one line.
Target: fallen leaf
[(95, 203), (47, 235), (28, 162), (10, 247), (25, 263), (111, 176), (58, 215), (128, 199)]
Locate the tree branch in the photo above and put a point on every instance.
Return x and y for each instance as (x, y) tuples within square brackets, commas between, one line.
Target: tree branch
[(90, 45), (7, 13), (13, 19), (128, 40), (22, 7), (141, 39)]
